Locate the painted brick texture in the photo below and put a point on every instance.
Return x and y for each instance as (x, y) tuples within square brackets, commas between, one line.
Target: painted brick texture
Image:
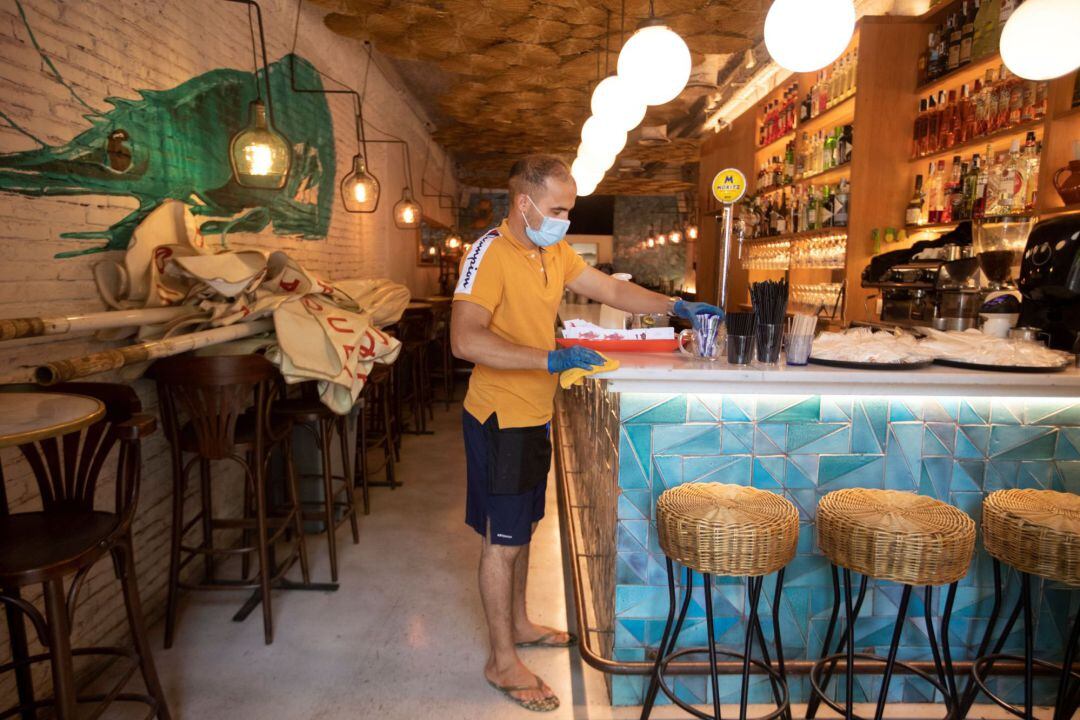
[(114, 49)]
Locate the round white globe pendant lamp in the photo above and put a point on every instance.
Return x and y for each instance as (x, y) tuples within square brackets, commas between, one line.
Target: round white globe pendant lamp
[(595, 158), (617, 105), (655, 62), (602, 137), (804, 36), (586, 174), (1041, 39)]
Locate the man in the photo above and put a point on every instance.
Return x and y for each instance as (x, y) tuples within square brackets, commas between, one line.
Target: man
[(505, 306)]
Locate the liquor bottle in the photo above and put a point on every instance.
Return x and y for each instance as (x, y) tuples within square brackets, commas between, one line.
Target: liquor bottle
[(823, 95), (971, 187), (1007, 8), (828, 153), (824, 208), (987, 30), (967, 32), (978, 208), (804, 107), (914, 213), (955, 31), (1011, 188), (920, 130), (846, 144), (1040, 98), (933, 57), (945, 122), (789, 163), (841, 203), (1030, 161), (800, 156), (954, 197), (1004, 95), (811, 210), (782, 215), (932, 116), (1016, 100), (968, 113)]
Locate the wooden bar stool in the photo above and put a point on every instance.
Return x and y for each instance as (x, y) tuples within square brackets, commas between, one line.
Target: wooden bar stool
[(442, 367), (1035, 532), (414, 380), (733, 530), (375, 430), (66, 538), (322, 422), (900, 537), (220, 408)]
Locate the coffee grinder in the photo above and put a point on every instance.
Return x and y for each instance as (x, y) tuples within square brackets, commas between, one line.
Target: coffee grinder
[(1050, 281)]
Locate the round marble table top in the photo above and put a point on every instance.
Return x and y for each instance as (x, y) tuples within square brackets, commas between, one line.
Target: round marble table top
[(28, 417)]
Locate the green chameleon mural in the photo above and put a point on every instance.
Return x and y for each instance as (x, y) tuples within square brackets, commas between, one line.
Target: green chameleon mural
[(173, 144)]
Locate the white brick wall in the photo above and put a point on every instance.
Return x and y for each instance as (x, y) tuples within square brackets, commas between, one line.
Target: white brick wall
[(113, 49)]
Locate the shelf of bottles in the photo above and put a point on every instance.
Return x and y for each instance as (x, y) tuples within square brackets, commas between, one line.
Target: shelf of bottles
[(965, 36)]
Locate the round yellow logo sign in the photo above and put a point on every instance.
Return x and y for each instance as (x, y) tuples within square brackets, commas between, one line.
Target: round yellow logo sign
[(729, 186)]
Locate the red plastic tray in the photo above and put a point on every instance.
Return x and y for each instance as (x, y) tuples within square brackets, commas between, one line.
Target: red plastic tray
[(645, 346)]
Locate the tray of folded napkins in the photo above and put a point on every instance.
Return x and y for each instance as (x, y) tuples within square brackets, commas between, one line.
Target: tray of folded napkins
[(580, 332)]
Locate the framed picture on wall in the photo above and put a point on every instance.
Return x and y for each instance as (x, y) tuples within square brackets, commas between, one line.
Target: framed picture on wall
[(430, 238)]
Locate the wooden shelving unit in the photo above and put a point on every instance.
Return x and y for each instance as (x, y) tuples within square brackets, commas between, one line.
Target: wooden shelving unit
[(998, 139), (841, 113), (965, 74), (825, 177)]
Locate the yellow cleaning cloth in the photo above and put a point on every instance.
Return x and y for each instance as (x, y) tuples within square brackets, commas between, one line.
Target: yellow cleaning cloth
[(574, 376)]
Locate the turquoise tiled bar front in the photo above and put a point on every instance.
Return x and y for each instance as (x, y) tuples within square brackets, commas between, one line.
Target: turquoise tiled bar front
[(804, 446)]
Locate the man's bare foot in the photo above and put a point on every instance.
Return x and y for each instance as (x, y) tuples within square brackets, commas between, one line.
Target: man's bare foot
[(535, 693), (531, 633)]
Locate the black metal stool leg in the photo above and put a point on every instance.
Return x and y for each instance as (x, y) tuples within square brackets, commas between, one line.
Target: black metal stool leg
[(928, 604), (814, 703), (849, 680), (759, 633), (713, 677), (1029, 646), (946, 648), (1063, 704), (971, 690), (654, 679), (754, 588), (890, 661), (776, 635), (672, 640)]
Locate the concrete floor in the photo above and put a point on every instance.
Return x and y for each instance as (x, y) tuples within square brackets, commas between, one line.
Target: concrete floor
[(403, 637)]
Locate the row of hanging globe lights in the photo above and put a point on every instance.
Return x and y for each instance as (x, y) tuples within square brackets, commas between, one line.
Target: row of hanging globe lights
[(653, 68), (654, 65)]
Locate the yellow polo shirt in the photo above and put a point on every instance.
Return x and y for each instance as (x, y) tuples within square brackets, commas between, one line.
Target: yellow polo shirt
[(521, 286)]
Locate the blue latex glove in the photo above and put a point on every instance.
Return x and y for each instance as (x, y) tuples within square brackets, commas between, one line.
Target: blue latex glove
[(687, 310), (577, 356)]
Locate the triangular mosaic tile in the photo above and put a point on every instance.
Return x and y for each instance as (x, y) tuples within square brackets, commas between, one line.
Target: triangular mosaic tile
[(769, 472), (737, 438), (738, 408), (806, 410), (1005, 413), (1022, 443), (704, 408), (672, 410), (1052, 412), (669, 470), (974, 411), (1068, 446), (835, 409), (819, 438), (733, 469), (904, 410), (770, 438), (932, 444), (968, 475)]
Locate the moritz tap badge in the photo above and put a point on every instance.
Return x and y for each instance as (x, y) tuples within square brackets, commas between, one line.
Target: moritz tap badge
[(729, 186)]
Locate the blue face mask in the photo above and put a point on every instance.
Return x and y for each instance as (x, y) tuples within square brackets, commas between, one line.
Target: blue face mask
[(551, 230)]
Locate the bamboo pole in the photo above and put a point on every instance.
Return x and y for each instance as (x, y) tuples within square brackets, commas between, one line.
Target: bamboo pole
[(59, 371), (63, 324)]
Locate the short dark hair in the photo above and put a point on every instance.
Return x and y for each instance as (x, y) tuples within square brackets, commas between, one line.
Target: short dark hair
[(530, 173)]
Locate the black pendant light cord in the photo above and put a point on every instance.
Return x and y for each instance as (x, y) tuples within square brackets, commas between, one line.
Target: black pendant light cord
[(265, 62), (358, 99)]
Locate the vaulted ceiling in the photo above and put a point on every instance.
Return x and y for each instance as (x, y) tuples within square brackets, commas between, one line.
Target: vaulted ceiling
[(503, 78)]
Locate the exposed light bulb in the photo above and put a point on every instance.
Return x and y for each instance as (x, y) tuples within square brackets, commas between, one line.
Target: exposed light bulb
[(675, 237), (804, 36), (260, 156), (360, 192), (407, 211), (431, 251), (655, 62), (1039, 40), (692, 232), (360, 189)]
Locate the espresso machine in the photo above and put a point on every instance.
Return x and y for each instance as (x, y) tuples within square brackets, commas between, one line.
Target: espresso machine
[(1050, 281)]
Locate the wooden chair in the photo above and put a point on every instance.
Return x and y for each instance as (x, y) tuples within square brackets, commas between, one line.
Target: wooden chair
[(220, 408), (64, 540), (415, 330), (322, 422), (442, 366)]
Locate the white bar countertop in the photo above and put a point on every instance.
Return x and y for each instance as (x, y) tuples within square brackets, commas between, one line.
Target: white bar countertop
[(675, 373)]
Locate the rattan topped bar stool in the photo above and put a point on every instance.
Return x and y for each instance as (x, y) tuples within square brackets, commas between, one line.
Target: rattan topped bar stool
[(732, 530), (1035, 532), (899, 537)]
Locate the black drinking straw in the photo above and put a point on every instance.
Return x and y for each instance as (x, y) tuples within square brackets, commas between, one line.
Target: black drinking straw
[(769, 299), (740, 323)]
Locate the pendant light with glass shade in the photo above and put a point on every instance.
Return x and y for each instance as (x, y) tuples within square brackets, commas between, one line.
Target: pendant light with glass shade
[(603, 138), (259, 155), (804, 36), (655, 61), (407, 211), (360, 188), (616, 104), (1041, 39)]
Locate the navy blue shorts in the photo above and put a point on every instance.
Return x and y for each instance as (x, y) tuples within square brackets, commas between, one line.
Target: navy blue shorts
[(509, 517)]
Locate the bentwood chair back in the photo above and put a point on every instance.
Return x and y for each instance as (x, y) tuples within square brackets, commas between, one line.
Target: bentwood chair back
[(220, 408), (65, 539)]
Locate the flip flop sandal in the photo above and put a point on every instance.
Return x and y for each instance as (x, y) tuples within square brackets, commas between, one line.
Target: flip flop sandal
[(546, 704), (543, 641)]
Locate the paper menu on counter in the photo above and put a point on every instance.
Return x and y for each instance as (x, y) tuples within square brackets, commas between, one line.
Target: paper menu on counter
[(583, 330)]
